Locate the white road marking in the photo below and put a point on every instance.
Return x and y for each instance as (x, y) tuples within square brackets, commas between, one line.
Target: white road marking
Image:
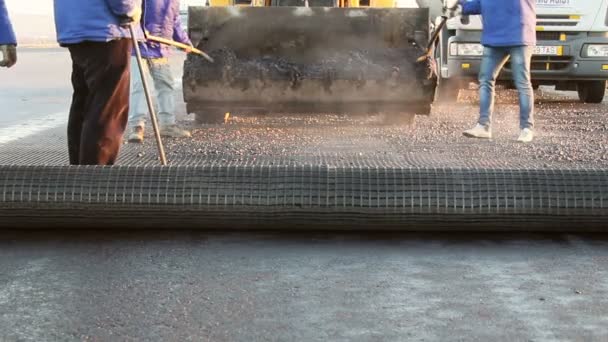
[(40, 124), (31, 127)]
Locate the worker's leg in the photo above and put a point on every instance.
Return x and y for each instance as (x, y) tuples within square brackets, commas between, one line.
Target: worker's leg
[(78, 107), (492, 62), (106, 71), (138, 108), (165, 88), (521, 57)]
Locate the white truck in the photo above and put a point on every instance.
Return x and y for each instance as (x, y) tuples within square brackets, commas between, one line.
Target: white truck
[(571, 52)]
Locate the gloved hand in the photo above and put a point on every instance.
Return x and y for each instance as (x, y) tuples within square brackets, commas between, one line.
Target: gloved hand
[(133, 17), (451, 8), (9, 53)]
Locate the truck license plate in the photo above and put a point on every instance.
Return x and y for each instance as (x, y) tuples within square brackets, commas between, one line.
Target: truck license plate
[(548, 50)]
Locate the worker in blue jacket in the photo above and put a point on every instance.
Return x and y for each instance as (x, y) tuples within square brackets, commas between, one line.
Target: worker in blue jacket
[(8, 42), (97, 36), (509, 31), (161, 19)]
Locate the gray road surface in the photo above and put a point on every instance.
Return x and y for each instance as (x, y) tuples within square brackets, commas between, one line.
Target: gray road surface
[(192, 286), (39, 85)]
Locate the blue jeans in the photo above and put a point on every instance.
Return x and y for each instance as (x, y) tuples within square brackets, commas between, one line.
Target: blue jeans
[(494, 58), (158, 73)]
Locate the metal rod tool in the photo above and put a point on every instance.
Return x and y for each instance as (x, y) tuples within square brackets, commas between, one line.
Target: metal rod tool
[(144, 81), (179, 46), (429, 48)]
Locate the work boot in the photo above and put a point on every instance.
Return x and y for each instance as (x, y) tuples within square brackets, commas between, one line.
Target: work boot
[(172, 131), (136, 135), (479, 131), (526, 135)]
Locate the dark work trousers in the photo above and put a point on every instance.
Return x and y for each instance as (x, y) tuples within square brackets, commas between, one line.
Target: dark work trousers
[(100, 104)]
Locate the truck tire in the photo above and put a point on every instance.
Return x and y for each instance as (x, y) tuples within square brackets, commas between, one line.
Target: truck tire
[(447, 91), (209, 117), (591, 91)]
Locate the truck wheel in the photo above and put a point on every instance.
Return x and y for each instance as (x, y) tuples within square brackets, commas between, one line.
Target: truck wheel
[(591, 91), (447, 91), (210, 117)]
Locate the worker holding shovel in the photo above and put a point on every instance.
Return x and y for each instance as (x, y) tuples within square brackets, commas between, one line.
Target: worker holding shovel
[(509, 31), (8, 42), (97, 34), (162, 20)]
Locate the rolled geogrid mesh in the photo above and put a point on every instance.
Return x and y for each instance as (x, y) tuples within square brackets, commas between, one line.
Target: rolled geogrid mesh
[(304, 197)]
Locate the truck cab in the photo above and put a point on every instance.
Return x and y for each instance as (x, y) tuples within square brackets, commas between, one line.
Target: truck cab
[(571, 51)]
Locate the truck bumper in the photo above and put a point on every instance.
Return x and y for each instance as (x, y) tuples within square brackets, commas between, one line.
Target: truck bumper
[(571, 66)]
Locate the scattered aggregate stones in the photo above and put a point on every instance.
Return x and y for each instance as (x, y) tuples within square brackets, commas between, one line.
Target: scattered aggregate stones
[(569, 134)]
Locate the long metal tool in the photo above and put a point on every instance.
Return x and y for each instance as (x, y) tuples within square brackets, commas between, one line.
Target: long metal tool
[(179, 46), (159, 142), (429, 48)]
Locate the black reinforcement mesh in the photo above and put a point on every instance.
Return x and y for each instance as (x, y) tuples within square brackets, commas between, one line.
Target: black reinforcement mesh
[(338, 183), (292, 197)]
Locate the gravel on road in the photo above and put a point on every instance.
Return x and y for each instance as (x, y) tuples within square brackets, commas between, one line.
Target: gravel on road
[(569, 134)]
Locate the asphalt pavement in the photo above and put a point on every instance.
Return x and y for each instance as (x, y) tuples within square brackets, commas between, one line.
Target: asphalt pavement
[(37, 86), (37, 92), (193, 286)]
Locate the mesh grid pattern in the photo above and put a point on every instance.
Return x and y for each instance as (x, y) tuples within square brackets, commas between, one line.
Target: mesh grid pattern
[(336, 188), (263, 195)]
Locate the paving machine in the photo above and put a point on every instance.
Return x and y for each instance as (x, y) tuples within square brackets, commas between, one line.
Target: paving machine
[(308, 56)]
